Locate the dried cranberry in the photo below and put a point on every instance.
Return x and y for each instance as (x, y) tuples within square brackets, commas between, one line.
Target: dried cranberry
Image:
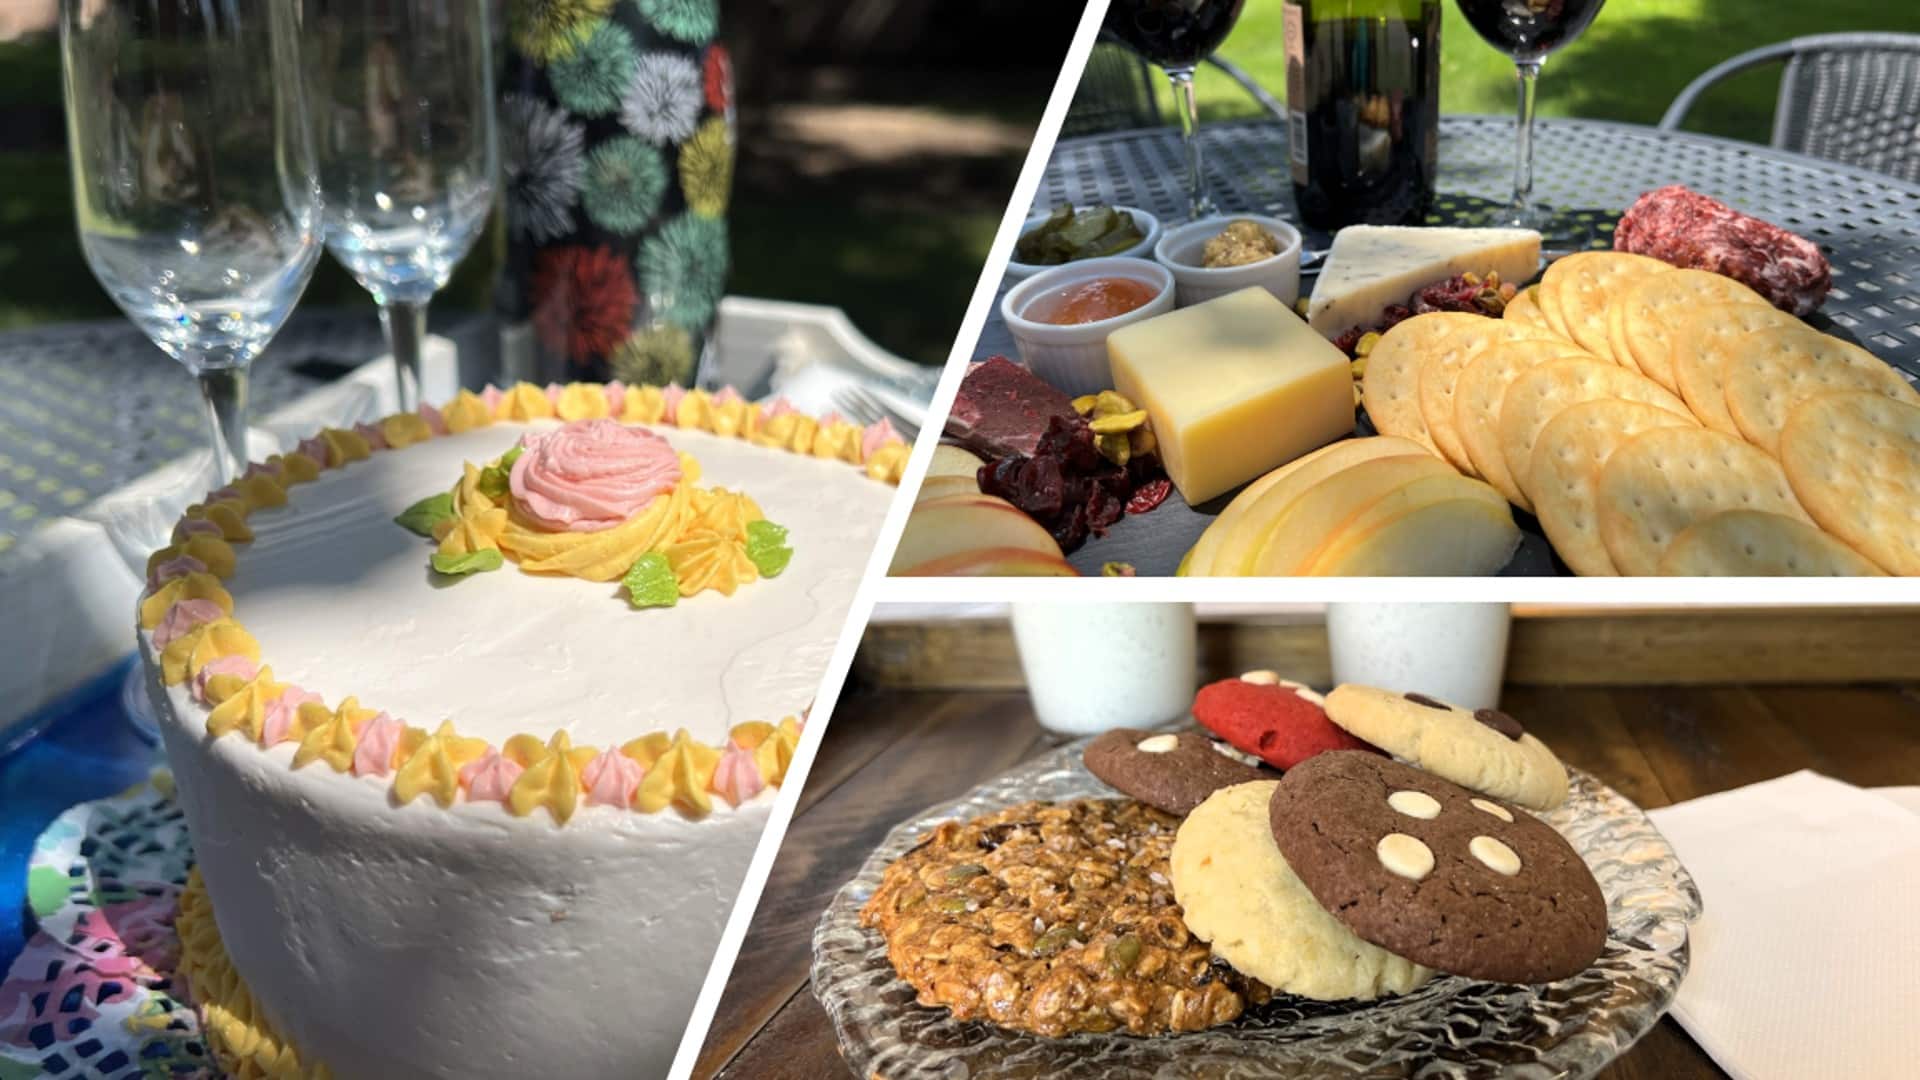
[(1149, 495)]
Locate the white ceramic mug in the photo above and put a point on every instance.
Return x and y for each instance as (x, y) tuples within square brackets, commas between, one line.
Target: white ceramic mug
[(1454, 652), (1092, 667)]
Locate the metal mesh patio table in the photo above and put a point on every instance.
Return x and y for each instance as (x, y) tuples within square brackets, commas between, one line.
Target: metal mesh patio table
[(1586, 171)]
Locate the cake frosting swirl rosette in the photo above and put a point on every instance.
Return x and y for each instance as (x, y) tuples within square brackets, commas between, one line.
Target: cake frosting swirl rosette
[(473, 707)]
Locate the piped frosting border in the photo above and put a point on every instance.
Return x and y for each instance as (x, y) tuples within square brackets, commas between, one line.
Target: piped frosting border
[(202, 645)]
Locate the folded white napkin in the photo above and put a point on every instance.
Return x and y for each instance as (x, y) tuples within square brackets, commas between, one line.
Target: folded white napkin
[(1806, 962)]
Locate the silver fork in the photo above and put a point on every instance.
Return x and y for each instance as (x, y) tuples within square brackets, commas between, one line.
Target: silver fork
[(864, 407)]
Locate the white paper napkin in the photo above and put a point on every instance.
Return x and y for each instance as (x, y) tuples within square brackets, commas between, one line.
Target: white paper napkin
[(1806, 962)]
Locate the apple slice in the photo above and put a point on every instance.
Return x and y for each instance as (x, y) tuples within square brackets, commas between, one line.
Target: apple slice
[(1227, 546), (1451, 537), (939, 487), (951, 460), (1298, 529), (953, 524), (1359, 543), (993, 562)]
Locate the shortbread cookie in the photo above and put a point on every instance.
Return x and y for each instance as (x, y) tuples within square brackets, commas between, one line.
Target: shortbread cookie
[(1280, 722), (1435, 874), (1236, 891), (1053, 918), (1174, 771), (1485, 750)]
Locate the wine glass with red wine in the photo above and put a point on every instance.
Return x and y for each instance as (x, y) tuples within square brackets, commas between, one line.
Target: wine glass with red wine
[(1177, 35), (1527, 30)]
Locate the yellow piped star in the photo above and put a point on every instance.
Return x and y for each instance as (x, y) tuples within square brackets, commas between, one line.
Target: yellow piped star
[(402, 430), (551, 779), (344, 446), (185, 655), (775, 752), (679, 777), (888, 463), (838, 441), (245, 709), (733, 419), (214, 553), (231, 522), (197, 585), (711, 561), (476, 531), (334, 739), (260, 492), (643, 405), (524, 401), (583, 401), (695, 412), (433, 766), (296, 468), (466, 412)]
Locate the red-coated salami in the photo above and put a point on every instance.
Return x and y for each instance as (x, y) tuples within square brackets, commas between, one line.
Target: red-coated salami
[(1687, 229)]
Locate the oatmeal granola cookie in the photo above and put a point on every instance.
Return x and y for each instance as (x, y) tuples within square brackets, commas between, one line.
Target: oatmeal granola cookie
[(1054, 919)]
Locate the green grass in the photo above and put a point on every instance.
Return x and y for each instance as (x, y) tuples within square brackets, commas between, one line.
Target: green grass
[(1628, 66)]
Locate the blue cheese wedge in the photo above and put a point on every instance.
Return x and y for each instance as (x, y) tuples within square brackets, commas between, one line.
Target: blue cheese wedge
[(1374, 266)]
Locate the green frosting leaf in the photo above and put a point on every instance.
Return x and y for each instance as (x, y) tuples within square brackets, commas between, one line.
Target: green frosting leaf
[(494, 478), (650, 582), (422, 516), (472, 562), (46, 890), (767, 547)]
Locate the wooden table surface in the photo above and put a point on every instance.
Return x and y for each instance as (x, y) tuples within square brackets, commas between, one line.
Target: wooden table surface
[(889, 754)]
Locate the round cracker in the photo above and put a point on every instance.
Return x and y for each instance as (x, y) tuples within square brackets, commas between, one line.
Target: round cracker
[(1755, 543), (1477, 395), (1524, 310), (1703, 338), (1579, 287), (1661, 481), (1440, 373), (1854, 461), (1390, 389), (1646, 304), (1617, 343), (1771, 371), (1566, 474), (1542, 392)]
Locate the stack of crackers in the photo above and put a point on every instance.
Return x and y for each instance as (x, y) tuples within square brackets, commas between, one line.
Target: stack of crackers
[(1665, 421)]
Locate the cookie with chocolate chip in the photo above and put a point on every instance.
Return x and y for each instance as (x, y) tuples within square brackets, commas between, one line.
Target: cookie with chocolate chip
[(1435, 874), (1482, 749), (1174, 771)]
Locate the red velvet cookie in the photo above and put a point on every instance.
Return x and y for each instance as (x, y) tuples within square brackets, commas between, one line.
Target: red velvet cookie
[(1277, 721)]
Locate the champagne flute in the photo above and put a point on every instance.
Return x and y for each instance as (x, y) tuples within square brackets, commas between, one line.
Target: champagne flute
[(1527, 30), (195, 186), (403, 104), (1177, 35)]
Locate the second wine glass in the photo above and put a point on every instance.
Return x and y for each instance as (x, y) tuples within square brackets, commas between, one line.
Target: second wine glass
[(402, 94)]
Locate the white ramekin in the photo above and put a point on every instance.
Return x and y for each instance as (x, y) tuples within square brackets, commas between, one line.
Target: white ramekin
[(1148, 224), (1181, 249), (1074, 358)]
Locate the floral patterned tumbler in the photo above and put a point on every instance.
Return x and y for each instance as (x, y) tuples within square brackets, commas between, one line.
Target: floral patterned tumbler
[(616, 145)]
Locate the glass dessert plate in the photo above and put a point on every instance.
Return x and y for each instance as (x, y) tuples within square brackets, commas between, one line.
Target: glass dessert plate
[(1450, 1027)]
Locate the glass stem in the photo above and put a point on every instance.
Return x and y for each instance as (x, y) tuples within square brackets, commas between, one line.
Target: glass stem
[(224, 389), (406, 327), (1183, 103), (1528, 71)]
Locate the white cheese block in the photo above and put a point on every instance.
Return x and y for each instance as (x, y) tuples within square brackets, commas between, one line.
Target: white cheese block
[(1235, 387), (1373, 266)]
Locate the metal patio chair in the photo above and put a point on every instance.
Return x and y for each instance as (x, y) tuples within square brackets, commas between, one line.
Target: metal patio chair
[(1850, 98), (1117, 88)]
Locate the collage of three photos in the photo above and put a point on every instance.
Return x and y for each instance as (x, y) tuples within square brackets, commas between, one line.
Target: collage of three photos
[(583, 616)]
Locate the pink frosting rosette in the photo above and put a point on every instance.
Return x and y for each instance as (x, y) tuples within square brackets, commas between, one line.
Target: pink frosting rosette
[(591, 475)]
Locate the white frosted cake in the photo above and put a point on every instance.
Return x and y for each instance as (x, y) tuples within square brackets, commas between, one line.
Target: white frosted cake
[(476, 716)]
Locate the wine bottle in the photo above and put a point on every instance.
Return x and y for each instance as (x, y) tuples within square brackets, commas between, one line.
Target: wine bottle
[(1363, 109)]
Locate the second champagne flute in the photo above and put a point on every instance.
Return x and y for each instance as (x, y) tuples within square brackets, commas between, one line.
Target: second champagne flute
[(402, 95)]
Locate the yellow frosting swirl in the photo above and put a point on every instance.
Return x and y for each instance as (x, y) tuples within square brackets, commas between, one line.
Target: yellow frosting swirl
[(678, 775), (402, 430), (243, 1041), (246, 709), (524, 401), (695, 412), (295, 468), (597, 556), (889, 462), (214, 553), (185, 655), (583, 401), (774, 753), (734, 419), (552, 776), (476, 531), (198, 585), (466, 412), (838, 441), (261, 491), (643, 405), (710, 561)]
